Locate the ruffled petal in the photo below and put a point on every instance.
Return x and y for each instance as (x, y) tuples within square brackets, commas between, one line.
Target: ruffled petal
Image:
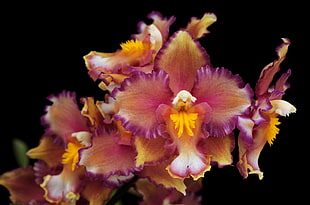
[(223, 92), (220, 148), (106, 157), (22, 186), (63, 117), (138, 99), (159, 175), (148, 150), (181, 57), (47, 151), (198, 27), (271, 69)]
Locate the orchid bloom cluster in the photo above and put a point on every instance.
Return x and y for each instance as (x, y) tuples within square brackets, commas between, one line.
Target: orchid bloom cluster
[(167, 117)]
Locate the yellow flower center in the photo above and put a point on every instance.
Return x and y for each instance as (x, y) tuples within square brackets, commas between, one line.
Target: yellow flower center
[(272, 130), (132, 46), (184, 120), (71, 155)]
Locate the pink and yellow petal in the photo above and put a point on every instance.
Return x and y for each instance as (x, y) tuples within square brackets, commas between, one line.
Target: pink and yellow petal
[(106, 157), (198, 27), (138, 99), (219, 149), (181, 57), (47, 151), (22, 186), (148, 150), (159, 175), (223, 92), (63, 117), (132, 53), (91, 111)]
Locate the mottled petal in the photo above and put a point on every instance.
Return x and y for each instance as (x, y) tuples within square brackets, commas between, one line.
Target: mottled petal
[(63, 117), (22, 186), (148, 150), (223, 92), (198, 27), (220, 148), (138, 100), (47, 151), (271, 69), (106, 157), (181, 57), (159, 175)]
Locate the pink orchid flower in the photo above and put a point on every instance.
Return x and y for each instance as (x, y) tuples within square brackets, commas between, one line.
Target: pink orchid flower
[(185, 101), (260, 126), (136, 54)]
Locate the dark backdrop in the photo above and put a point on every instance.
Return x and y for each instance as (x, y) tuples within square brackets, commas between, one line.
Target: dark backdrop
[(42, 53)]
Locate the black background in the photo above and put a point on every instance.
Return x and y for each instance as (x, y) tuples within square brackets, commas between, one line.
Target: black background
[(43, 45)]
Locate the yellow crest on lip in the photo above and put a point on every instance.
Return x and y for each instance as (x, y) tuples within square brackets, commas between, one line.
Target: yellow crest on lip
[(184, 121), (132, 46)]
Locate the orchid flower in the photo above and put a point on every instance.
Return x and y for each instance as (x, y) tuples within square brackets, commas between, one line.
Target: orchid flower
[(260, 126), (167, 117), (136, 54), (185, 101)]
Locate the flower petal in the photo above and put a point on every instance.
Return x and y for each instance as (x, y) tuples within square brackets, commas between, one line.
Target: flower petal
[(282, 107), (191, 161), (63, 117), (138, 99), (159, 175), (133, 53), (220, 148), (158, 31), (22, 186), (47, 151), (223, 92), (106, 157), (96, 193), (64, 187), (198, 27), (148, 150), (181, 57), (271, 69)]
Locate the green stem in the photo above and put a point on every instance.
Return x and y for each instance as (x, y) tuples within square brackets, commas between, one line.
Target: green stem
[(121, 191)]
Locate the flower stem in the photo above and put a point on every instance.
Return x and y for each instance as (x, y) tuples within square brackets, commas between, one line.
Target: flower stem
[(121, 191)]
